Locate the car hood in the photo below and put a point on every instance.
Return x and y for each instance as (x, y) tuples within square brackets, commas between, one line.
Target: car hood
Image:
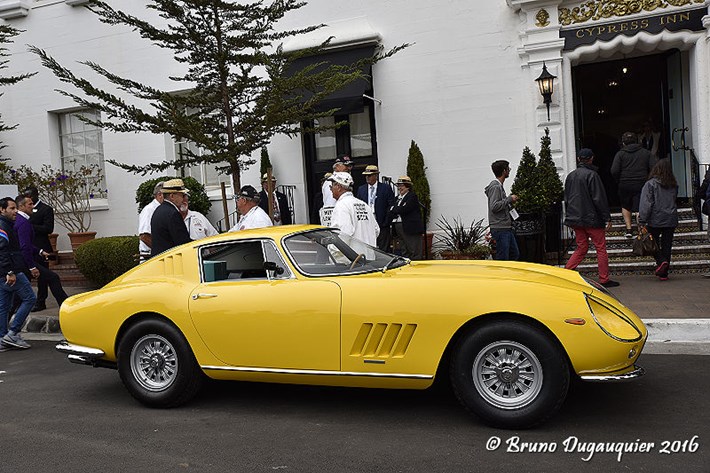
[(504, 270)]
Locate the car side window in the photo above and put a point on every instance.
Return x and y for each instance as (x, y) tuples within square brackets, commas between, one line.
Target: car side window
[(234, 260), (273, 255)]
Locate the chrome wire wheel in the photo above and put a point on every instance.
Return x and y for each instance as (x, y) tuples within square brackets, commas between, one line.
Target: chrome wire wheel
[(507, 374), (154, 363)]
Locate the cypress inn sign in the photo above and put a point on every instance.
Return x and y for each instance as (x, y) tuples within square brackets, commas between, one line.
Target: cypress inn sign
[(690, 20)]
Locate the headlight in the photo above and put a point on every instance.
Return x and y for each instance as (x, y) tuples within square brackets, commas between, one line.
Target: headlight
[(612, 321), (599, 287)]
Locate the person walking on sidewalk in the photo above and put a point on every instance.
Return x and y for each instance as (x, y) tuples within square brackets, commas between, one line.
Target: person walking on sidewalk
[(33, 255), (630, 169), (16, 283), (499, 208), (588, 214), (42, 220), (658, 212)]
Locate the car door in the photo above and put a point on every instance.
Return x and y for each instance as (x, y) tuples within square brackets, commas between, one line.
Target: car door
[(248, 317)]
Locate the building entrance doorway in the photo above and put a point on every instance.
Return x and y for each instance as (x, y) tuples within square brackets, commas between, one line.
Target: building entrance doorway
[(643, 95)]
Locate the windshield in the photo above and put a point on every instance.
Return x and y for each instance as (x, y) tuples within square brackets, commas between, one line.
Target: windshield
[(328, 252)]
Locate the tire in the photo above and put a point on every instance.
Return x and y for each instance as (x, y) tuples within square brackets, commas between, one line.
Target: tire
[(157, 366), (510, 374)]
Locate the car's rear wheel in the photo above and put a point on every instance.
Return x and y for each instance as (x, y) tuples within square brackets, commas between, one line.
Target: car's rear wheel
[(510, 374), (157, 366)]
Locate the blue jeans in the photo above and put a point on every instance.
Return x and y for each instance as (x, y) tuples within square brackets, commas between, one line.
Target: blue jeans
[(23, 290), (506, 245)]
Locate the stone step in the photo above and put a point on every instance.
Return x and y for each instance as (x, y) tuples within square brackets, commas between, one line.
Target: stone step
[(626, 251), (647, 266)]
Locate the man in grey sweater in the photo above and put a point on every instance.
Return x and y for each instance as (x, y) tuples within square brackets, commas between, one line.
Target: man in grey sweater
[(499, 219)]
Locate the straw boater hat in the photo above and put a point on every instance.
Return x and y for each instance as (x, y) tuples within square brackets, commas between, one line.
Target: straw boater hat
[(371, 169), (266, 176), (404, 180), (174, 186)]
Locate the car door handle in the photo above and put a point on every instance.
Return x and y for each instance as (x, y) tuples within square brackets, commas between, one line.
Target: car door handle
[(203, 296)]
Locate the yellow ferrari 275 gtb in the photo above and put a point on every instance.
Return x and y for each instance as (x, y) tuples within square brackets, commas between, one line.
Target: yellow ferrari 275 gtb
[(307, 305)]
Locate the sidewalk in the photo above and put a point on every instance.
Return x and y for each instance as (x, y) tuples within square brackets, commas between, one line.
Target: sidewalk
[(676, 312)]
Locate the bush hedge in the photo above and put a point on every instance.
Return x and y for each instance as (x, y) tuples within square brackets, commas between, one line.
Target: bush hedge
[(199, 202), (104, 259)]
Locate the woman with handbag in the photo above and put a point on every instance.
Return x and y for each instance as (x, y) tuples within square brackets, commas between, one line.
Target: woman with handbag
[(658, 213)]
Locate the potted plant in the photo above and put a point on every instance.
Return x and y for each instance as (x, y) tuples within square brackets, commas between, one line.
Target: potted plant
[(538, 186), (416, 170), (459, 241), (70, 193)]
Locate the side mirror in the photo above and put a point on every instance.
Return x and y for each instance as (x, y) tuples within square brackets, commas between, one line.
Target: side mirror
[(271, 266)]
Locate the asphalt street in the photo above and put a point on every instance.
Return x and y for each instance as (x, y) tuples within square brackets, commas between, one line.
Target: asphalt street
[(58, 417)]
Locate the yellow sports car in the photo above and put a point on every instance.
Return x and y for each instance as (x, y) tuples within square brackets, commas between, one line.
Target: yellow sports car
[(307, 305)]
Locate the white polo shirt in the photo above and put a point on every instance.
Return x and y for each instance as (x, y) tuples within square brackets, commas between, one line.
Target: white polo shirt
[(144, 224), (255, 218), (198, 226)]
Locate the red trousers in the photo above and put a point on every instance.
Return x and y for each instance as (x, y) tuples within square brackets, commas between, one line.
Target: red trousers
[(598, 237)]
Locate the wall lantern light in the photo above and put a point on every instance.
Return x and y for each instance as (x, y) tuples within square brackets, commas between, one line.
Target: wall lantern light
[(546, 82)]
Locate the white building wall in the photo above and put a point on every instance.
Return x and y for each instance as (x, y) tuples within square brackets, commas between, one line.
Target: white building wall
[(464, 91)]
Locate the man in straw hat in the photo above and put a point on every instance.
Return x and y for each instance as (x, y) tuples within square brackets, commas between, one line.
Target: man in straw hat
[(167, 226), (251, 215), (380, 197), (406, 215), (351, 215)]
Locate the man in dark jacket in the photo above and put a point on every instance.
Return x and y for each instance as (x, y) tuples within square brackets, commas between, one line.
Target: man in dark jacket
[(16, 283), (406, 215), (281, 213), (42, 220), (167, 227), (588, 214), (33, 255), (630, 169), (380, 197)]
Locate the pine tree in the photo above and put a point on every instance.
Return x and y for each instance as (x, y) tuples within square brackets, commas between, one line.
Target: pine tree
[(7, 34), (550, 183), (242, 91), (265, 161), (416, 170)]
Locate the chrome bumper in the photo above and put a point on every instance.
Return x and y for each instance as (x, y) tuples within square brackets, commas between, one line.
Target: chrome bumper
[(606, 378), (82, 355)]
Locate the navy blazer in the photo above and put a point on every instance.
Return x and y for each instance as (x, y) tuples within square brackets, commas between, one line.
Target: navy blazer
[(167, 228), (42, 220), (384, 199)]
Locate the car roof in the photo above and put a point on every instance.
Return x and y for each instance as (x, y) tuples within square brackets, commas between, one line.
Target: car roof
[(275, 233)]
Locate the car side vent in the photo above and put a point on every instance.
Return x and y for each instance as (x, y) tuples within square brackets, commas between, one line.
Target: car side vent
[(383, 340), (172, 265)]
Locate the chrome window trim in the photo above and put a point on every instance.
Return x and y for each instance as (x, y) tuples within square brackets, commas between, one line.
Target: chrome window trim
[(319, 275), (249, 369), (237, 241)]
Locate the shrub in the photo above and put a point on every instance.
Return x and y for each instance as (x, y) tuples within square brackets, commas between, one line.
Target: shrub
[(104, 259), (265, 162), (199, 202)]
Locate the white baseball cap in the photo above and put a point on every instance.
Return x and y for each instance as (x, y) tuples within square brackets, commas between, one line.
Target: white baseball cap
[(342, 178)]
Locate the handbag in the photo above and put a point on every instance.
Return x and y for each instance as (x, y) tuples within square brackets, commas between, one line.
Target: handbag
[(644, 244)]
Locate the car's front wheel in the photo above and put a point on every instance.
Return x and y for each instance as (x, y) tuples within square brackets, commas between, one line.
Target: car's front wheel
[(157, 366), (510, 374)]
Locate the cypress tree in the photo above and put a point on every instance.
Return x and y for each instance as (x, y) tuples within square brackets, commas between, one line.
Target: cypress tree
[(416, 170), (550, 183), (265, 161), (526, 184), (242, 90)]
